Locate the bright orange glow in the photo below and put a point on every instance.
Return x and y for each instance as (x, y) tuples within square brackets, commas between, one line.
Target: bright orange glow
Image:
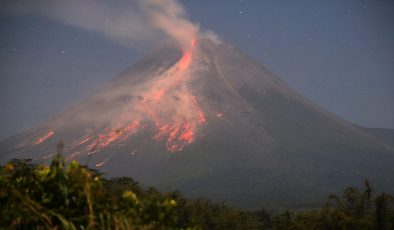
[(82, 142), (158, 95), (112, 135), (167, 106), (187, 56), (44, 138), (185, 61), (193, 42)]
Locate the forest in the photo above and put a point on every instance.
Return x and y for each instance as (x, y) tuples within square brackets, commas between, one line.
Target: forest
[(73, 196)]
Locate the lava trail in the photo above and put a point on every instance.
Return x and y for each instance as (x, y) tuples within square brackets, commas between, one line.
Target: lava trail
[(165, 106)]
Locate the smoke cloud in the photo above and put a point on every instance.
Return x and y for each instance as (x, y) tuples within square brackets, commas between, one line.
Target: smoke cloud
[(170, 17), (128, 22), (165, 102)]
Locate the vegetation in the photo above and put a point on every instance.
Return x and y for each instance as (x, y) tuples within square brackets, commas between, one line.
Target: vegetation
[(73, 196)]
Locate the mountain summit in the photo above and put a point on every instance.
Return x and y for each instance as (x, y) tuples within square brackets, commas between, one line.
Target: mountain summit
[(213, 123)]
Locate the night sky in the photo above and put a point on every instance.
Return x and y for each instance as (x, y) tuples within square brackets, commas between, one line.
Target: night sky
[(340, 54)]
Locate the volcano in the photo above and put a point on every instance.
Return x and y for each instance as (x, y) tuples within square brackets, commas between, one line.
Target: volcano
[(213, 123)]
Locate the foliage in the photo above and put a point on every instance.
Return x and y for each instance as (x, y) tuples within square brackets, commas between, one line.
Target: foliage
[(73, 196), (354, 210)]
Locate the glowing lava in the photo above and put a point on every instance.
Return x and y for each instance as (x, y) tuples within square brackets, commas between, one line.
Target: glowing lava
[(165, 103), (45, 137), (111, 135), (185, 61)]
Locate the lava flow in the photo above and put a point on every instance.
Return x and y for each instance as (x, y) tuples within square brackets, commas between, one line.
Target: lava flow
[(165, 103), (44, 138), (176, 123)]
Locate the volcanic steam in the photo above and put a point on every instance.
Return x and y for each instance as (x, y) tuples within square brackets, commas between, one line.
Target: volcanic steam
[(163, 105)]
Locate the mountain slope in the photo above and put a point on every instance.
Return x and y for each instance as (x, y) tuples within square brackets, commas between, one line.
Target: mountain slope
[(216, 124)]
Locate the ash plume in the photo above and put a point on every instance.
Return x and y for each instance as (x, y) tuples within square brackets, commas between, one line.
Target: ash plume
[(128, 22), (164, 104), (170, 17)]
